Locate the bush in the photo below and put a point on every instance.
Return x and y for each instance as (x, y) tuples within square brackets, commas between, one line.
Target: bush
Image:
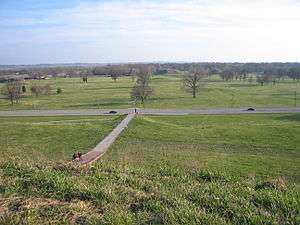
[(58, 90)]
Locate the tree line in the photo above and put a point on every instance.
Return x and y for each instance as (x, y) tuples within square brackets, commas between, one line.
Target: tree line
[(226, 70)]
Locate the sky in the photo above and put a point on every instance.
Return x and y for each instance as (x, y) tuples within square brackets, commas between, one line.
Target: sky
[(95, 31)]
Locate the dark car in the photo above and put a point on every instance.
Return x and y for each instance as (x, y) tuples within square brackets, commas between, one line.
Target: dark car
[(250, 109), (113, 112)]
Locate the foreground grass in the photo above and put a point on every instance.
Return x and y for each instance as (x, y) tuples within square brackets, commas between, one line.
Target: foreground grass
[(110, 194), (52, 138), (237, 169), (102, 92)]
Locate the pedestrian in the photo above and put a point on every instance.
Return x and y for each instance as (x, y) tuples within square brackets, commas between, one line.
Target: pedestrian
[(135, 111)]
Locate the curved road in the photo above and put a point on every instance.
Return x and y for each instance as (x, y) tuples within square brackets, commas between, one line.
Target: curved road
[(95, 112)]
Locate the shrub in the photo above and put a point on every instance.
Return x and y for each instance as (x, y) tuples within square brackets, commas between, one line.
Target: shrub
[(58, 90)]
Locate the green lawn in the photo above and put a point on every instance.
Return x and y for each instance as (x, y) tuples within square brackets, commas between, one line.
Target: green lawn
[(224, 169), (251, 145), (52, 138), (103, 92)]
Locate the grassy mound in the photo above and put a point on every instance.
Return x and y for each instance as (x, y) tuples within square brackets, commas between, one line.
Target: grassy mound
[(107, 194), (225, 169)]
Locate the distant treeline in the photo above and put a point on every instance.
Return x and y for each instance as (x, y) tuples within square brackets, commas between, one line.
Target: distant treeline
[(224, 69)]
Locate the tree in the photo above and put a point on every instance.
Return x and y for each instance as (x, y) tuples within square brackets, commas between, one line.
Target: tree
[(114, 75), (265, 78), (35, 89), (46, 89), (85, 79), (59, 90), (227, 74), (142, 91), (23, 88), (40, 89), (194, 80), (294, 73), (13, 91)]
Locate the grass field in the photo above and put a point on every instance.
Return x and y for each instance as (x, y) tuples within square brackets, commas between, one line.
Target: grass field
[(52, 138), (103, 92), (237, 169), (247, 145)]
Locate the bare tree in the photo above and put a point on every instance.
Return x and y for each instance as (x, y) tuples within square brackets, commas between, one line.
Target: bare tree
[(85, 79), (294, 73), (114, 75), (265, 78), (142, 91), (40, 89), (227, 74), (13, 91), (194, 80)]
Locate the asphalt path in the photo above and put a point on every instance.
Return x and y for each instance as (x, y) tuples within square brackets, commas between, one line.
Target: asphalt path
[(103, 146), (95, 112)]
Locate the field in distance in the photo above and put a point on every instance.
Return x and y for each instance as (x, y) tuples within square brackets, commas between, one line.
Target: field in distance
[(221, 169), (104, 93)]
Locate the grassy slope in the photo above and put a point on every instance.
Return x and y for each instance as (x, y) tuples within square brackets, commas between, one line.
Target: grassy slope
[(263, 145), (179, 170), (102, 92), (52, 138)]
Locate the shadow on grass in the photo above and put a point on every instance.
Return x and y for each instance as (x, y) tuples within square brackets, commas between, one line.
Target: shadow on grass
[(241, 85), (163, 98), (117, 87), (293, 117), (100, 104), (287, 94)]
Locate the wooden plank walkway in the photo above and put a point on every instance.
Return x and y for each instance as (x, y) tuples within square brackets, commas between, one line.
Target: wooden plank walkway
[(102, 147)]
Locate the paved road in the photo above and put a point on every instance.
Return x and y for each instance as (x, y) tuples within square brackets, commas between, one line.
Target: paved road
[(92, 112), (216, 111), (102, 147)]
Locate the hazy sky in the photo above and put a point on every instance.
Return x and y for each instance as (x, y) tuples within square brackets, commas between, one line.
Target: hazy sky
[(63, 31)]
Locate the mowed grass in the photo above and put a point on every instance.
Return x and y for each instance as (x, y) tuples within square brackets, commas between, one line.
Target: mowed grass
[(166, 170), (52, 138), (262, 145), (103, 92)]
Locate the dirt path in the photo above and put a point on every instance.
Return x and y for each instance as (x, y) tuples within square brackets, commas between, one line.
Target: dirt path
[(102, 147)]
